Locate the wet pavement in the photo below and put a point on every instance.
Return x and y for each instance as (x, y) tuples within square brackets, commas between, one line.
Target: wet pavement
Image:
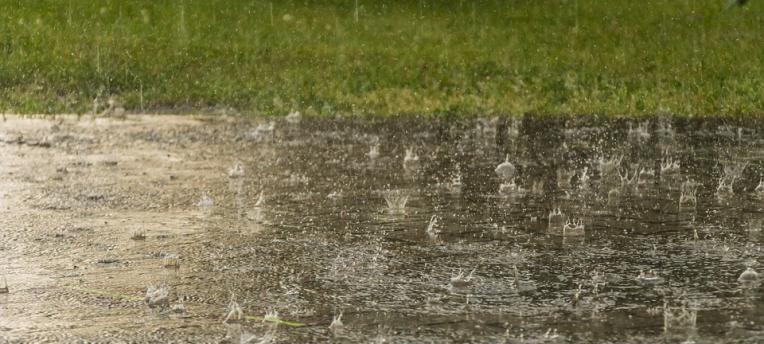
[(527, 230)]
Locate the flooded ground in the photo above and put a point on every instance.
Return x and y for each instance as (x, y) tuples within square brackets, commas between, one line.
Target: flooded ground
[(193, 229)]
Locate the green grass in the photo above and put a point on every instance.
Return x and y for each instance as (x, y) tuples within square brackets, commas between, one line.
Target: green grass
[(685, 57)]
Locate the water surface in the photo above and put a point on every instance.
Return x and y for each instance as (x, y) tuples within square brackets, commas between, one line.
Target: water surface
[(305, 230)]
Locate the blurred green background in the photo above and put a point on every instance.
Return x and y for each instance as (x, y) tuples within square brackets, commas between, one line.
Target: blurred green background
[(620, 57)]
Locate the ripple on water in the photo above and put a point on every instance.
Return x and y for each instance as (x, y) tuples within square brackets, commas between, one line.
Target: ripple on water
[(402, 230)]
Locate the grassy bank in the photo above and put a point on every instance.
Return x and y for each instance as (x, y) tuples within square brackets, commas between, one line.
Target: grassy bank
[(384, 57)]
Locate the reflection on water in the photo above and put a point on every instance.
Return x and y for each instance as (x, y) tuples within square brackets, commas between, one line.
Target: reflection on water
[(421, 230)]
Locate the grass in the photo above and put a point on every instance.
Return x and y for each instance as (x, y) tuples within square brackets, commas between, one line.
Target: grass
[(386, 57)]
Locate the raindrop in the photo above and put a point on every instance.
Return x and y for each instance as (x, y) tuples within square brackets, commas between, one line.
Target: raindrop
[(537, 188), (260, 200), (641, 132), (205, 203), (688, 191), (564, 178), (178, 308), (411, 159), (510, 188), (237, 171), (432, 227), (628, 179), (261, 131), (138, 235), (724, 189), (506, 170), (513, 129), (271, 316), (679, 318), (373, 151), (573, 228), (336, 324), (760, 188), (334, 195), (665, 130), (171, 261), (396, 200), (455, 185), (294, 117), (157, 296), (576, 296), (461, 281), (669, 165), (748, 276), (551, 334), (556, 222), (649, 277), (234, 313), (608, 167), (583, 178)]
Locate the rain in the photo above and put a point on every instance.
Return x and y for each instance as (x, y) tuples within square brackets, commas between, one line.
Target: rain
[(193, 229), (381, 172)]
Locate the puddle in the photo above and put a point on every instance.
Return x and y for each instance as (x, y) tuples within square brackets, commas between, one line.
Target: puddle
[(534, 230)]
